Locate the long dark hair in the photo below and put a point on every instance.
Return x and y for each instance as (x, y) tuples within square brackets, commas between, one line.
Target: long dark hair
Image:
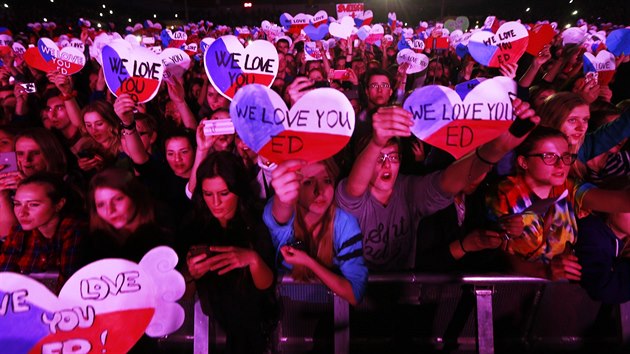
[(232, 170)]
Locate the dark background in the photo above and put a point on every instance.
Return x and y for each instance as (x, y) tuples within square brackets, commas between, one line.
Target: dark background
[(66, 12)]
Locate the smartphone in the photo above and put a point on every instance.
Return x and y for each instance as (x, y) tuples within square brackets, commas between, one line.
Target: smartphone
[(340, 75), (88, 154), (9, 161), (323, 83), (29, 87), (298, 245), (201, 249), (218, 127)]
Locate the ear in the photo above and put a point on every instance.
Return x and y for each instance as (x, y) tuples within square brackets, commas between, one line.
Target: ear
[(60, 204), (521, 162), (153, 138)]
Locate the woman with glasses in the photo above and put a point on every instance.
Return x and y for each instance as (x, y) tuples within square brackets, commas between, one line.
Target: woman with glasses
[(549, 201)]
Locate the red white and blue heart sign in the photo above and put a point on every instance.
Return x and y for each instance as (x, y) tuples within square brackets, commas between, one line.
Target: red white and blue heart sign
[(311, 52), (176, 62), (363, 19), (604, 64), (294, 24), (417, 61), (105, 307), (206, 43), (48, 57), (229, 66), (135, 71), (443, 119), (618, 41), (317, 27), (318, 126), (506, 46), (371, 34)]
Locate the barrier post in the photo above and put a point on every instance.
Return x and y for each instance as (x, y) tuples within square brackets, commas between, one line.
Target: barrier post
[(485, 330), (200, 341), (342, 325)]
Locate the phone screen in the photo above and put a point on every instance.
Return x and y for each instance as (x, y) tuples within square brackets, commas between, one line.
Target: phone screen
[(8, 161)]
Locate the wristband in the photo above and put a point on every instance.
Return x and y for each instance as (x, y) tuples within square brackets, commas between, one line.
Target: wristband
[(461, 245), (520, 127), (482, 159), (130, 126)]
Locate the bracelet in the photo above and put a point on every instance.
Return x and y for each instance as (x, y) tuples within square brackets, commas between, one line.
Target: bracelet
[(461, 245), (68, 97), (482, 159), (125, 132), (130, 126)]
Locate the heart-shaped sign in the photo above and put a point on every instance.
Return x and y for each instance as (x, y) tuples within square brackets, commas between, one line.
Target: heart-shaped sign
[(320, 18), (342, 29), (309, 130), (206, 43), (6, 40), (604, 64), (294, 24), (506, 46), (574, 35), (77, 43), (443, 120), (417, 61), (618, 42), (311, 52), (230, 66), (135, 71), (460, 23), (105, 307), (176, 62), (539, 36), (316, 33), (48, 57), (18, 51), (363, 19)]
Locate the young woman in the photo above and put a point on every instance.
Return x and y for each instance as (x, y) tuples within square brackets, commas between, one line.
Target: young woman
[(101, 123), (317, 240), (122, 218), (230, 255), (48, 234), (544, 244)]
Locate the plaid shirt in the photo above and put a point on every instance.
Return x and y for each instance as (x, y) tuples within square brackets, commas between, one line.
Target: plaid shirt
[(30, 252)]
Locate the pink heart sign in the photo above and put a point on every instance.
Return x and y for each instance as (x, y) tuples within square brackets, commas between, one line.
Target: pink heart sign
[(105, 307), (506, 46), (443, 119), (310, 130), (48, 57)]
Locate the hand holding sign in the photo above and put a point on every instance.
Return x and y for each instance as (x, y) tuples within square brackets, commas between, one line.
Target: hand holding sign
[(443, 119), (104, 307), (134, 71), (47, 57), (308, 131), (507, 45), (229, 66)]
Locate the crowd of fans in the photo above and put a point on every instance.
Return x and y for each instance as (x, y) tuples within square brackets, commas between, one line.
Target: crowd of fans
[(100, 176)]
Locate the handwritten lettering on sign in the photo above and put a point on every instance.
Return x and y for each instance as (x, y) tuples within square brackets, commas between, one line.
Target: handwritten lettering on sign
[(506, 46), (232, 60)]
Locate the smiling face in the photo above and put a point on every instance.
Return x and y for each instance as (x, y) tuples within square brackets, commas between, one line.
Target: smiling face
[(221, 202), (317, 189), (33, 207), (537, 173), (575, 125), (114, 207), (30, 157), (98, 128), (180, 156)]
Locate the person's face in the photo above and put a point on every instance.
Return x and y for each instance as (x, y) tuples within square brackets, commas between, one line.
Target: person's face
[(221, 202), (7, 102), (180, 156), (98, 128), (114, 207), (195, 90), (33, 208), (317, 189), (340, 64), (576, 124), (542, 96), (379, 90), (223, 142), (215, 100), (56, 113), (6, 142), (315, 75), (358, 67), (282, 47), (30, 158), (282, 62), (435, 70), (147, 135), (540, 174), (385, 173), (244, 150)]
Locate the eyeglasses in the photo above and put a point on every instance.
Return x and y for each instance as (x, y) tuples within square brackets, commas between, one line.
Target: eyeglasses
[(551, 158), (393, 157), (375, 85), (56, 108)]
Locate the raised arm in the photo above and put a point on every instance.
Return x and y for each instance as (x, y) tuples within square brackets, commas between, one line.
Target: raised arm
[(177, 95), (64, 84), (286, 183), (130, 138)]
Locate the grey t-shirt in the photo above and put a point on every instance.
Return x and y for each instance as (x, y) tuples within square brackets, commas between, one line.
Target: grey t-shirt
[(390, 231)]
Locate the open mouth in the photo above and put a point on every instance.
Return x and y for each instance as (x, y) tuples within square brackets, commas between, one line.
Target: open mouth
[(386, 176)]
